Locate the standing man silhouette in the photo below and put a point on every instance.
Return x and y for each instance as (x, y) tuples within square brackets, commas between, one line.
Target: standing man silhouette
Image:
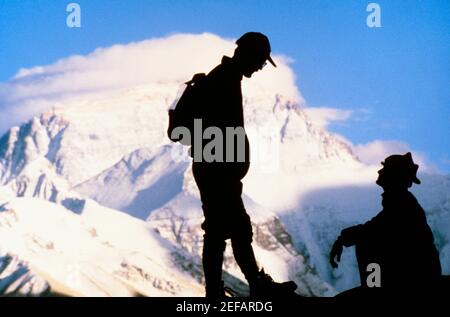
[(398, 239), (219, 182)]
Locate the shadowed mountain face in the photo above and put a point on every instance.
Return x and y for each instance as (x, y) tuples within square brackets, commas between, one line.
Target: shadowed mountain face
[(17, 279), (141, 182), (114, 151)]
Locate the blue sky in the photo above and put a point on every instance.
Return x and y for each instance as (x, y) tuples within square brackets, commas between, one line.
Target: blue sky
[(395, 78)]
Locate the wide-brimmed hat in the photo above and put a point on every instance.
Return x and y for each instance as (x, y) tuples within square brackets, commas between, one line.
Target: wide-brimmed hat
[(403, 164)]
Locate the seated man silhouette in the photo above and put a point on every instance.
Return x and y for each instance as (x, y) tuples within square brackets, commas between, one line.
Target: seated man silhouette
[(398, 239)]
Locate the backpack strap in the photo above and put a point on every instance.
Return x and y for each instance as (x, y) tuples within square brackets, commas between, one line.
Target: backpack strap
[(196, 78)]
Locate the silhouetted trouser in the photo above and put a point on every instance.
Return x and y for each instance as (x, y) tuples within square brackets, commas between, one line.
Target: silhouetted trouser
[(225, 218), (366, 253), (395, 280)]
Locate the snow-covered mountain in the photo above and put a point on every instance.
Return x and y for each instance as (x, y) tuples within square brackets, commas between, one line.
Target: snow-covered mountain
[(95, 200), (71, 155)]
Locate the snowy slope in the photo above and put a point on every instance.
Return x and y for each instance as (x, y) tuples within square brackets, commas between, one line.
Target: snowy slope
[(100, 252), (139, 183), (179, 221)]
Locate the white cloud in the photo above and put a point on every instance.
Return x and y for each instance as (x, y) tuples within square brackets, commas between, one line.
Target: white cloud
[(374, 152), (371, 153), (109, 70), (323, 116)]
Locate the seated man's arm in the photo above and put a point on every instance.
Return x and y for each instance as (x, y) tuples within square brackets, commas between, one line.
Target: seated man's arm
[(351, 235), (348, 237)]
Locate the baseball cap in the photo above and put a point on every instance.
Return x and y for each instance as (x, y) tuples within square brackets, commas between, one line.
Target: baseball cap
[(256, 42)]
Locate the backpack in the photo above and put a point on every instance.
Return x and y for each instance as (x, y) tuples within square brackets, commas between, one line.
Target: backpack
[(187, 108)]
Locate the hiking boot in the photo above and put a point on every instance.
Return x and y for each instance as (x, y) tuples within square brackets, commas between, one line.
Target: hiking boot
[(265, 286), (220, 293), (215, 293)]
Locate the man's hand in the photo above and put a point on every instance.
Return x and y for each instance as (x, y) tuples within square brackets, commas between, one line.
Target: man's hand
[(336, 252)]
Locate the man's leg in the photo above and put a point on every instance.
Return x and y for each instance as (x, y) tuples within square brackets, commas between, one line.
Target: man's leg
[(213, 242), (245, 258), (241, 232), (213, 248), (261, 284)]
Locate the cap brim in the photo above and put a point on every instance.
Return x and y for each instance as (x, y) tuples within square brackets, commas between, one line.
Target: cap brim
[(271, 61)]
